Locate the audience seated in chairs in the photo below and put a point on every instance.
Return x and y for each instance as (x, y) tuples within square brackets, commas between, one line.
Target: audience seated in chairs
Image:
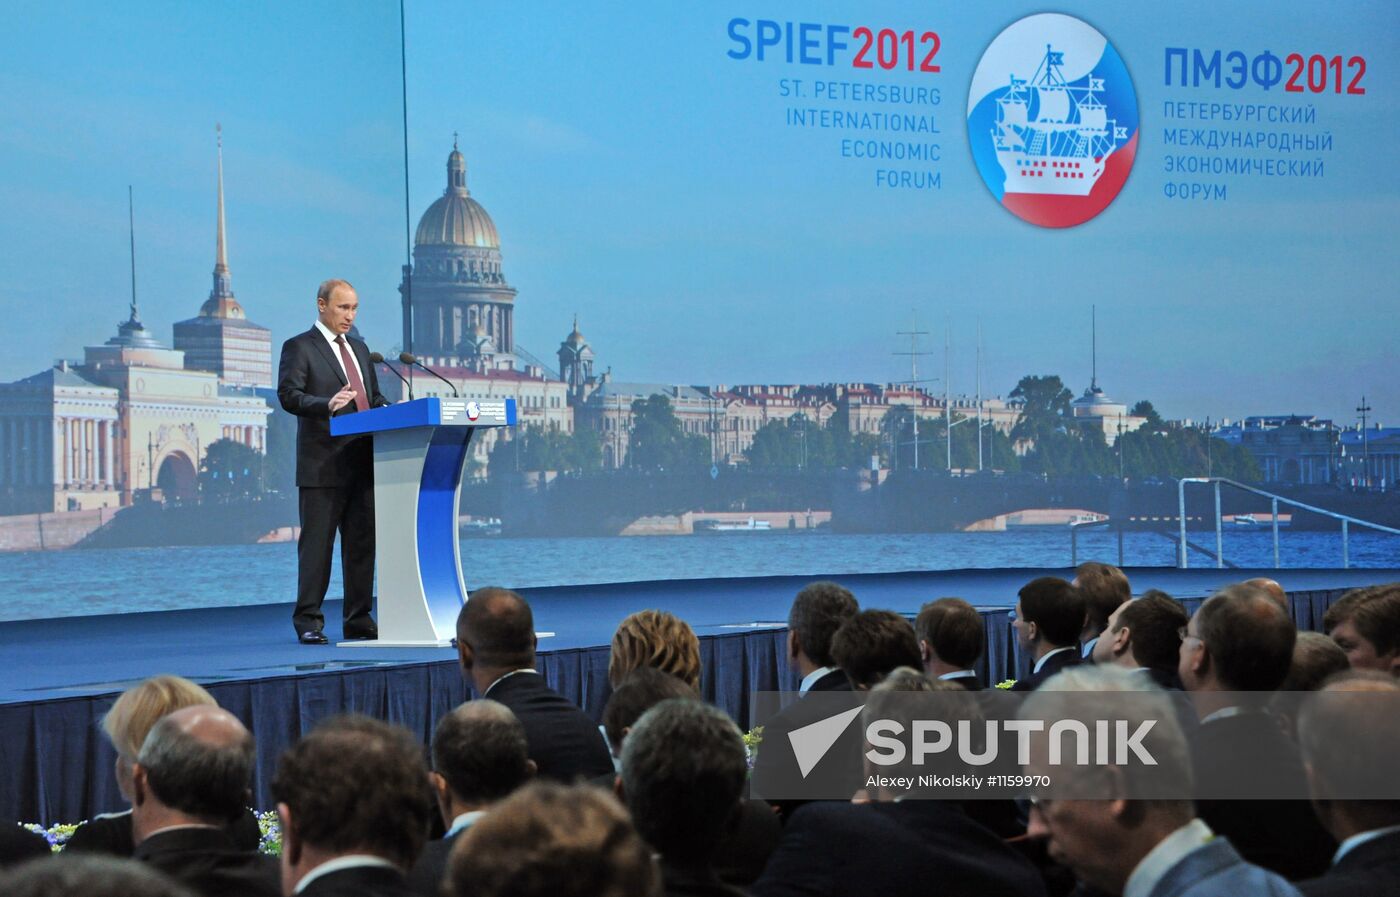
[(1365, 623), (1316, 658), (354, 809), (1048, 619), (1099, 823), (1104, 588), (126, 725), (892, 846), (1145, 635), (189, 781), (480, 756), (951, 637), (496, 651), (548, 840), (89, 875), (818, 611), (683, 771), (1237, 650), (1349, 737), (656, 639)]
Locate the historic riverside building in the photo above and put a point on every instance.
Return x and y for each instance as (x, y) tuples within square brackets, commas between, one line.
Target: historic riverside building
[(135, 416)]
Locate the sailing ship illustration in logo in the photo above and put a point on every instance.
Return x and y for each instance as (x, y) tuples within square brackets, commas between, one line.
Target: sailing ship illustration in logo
[(1052, 120)]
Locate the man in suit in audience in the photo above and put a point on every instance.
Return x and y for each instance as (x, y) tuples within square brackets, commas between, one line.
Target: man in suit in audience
[(890, 846), (480, 756), (1105, 589), (818, 611), (189, 781), (951, 637), (1365, 623), (1349, 740), (1145, 635), (353, 801), (1316, 658), (496, 651), (746, 845), (323, 373), (1120, 828), (89, 875), (683, 771), (1048, 618), (1235, 653)]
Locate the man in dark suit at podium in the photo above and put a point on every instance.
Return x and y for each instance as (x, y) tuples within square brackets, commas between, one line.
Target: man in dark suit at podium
[(323, 373)]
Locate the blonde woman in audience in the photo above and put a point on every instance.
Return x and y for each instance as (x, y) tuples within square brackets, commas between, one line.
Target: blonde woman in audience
[(127, 724), (656, 639)]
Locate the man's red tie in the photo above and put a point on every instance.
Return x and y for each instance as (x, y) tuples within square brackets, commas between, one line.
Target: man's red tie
[(352, 370)]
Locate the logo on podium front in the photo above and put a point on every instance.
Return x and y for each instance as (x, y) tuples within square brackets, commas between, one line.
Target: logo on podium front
[(1052, 120), (473, 411)]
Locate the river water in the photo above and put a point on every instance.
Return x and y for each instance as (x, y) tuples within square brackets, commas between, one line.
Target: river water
[(39, 585)]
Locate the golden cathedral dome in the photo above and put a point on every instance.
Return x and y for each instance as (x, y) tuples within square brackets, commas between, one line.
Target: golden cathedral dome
[(456, 219)]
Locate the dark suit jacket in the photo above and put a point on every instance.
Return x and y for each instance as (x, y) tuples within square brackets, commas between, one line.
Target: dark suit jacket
[(775, 768), (1052, 666), (695, 883), (426, 876), (19, 844), (111, 833), (914, 848), (307, 376), (362, 881), (1371, 869), (207, 861), (564, 743), (1249, 753)]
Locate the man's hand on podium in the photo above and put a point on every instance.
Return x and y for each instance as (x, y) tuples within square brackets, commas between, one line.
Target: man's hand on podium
[(342, 398)]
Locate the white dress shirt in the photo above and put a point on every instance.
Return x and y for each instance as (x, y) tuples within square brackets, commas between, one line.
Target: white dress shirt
[(335, 350)]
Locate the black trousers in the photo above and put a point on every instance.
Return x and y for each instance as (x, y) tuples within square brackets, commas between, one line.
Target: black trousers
[(349, 509)]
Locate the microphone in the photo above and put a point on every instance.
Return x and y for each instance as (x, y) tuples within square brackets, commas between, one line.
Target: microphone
[(410, 358), (376, 358)]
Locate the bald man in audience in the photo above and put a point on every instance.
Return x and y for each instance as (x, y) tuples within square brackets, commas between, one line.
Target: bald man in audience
[(496, 651), (1349, 737), (1236, 652), (1274, 591), (1104, 589), (1365, 623), (190, 780)]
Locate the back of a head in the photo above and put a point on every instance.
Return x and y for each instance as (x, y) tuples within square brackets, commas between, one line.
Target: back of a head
[(550, 840), (1315, 658), (953, 630), (199, 761), (500, 629), (817, 612), (640, 690), (1055, 607), (480, 750), (1087, 693), (89, 875), (1104, 587), (357, 785), (1249, 637), (1154, 624), (1273, 590), (872, 643), (683, 771), (657, 639), (131, 717), (1348, 732)]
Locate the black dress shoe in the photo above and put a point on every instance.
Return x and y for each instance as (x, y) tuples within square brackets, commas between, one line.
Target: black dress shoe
[(313, 637), (362, 633)]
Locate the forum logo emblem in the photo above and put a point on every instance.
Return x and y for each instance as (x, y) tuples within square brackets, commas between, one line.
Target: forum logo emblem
[(1052, 120), (473, 411)]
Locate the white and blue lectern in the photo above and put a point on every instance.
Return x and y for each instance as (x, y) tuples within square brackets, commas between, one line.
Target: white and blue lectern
[(420, 451)]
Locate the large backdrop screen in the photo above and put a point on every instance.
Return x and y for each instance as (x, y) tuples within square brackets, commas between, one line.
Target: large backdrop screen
[(787, 288)]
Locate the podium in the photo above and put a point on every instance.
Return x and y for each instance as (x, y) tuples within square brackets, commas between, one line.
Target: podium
[(420, 451)]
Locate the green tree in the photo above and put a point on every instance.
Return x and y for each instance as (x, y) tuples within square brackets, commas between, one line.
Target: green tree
[(657, 441), (230, 470), (1154, 420), (537, 447), (1047, 405), (793, 444)]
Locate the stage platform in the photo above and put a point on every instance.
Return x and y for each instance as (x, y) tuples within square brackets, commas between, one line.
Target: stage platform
[(59, 676)]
